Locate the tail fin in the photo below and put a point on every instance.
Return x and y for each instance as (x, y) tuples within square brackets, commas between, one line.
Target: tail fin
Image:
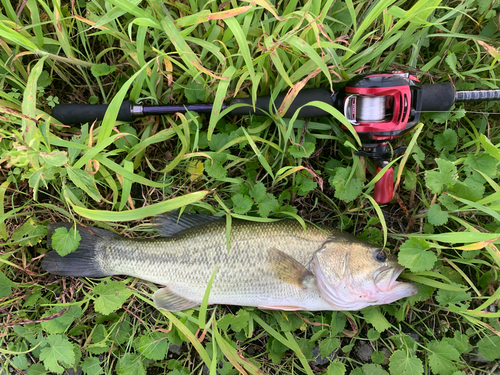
[(83, 261)]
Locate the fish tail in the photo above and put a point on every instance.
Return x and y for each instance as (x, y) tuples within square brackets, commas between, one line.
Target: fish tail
[(83, 262)]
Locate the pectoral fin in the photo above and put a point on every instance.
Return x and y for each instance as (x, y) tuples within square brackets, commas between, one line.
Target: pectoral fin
[(289, 270), (166, 299)]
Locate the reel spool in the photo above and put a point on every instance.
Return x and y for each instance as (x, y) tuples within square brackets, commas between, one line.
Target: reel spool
[(361, 108), (371, 108)]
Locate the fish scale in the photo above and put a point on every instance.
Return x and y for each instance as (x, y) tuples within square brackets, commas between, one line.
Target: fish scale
[(243, 274)]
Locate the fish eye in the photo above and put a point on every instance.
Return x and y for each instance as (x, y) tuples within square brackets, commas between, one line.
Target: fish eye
[(380, 256)]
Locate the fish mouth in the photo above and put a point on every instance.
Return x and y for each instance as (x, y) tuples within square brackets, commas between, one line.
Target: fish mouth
[(386, 281)]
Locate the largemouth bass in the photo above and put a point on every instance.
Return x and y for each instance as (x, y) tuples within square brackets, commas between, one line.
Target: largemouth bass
[(268, 265)]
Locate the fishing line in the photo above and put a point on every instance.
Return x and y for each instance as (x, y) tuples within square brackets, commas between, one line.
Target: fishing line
[(370, 108), (373, 109), (476, 112)]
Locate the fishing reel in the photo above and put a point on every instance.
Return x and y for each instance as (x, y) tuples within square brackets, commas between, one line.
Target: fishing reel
[(382, 107)]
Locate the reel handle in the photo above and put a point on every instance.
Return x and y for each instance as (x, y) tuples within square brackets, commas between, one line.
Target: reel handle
[(384, 188)]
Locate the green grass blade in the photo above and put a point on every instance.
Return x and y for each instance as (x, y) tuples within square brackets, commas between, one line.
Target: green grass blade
[(161, 136), (431, 282), (287, 171), (128, 6), (187, 55), (111, 182), (61, 30), (380, 215), (35, 18), (241, 40), (3, 189), (16, 37), (491, 299), (143, 212), (126, 184), (490, 181), (336, 114), (477, 206), (237, 360), (114, 107), (352, 13), (111, 165), (380, 174), (208, 47), (219, 99), (273, 54), (84, 182), (302, 46), (266, 4), (202, 316), (190, 336), (184, 142), (92, 152), (465, 277), (29, 104), (374, 12), (456, 237), (254, 138), (289, 341), (295, 347), (416, 133), (133, 8), (259, 155)]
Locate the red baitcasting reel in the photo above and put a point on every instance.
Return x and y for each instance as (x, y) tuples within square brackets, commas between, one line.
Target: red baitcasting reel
[(382, 107)]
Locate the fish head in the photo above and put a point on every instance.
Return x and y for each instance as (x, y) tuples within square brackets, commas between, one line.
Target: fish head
[(352, 274)]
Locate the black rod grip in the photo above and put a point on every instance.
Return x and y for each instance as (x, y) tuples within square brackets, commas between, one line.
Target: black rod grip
[(438, 97), (304, 97), (81, 113)]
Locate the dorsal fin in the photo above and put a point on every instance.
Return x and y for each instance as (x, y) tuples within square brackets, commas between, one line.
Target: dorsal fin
[(170, 224), (289, 270)]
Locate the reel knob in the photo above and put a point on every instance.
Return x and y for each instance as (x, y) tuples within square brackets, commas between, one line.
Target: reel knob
[(384, 189)]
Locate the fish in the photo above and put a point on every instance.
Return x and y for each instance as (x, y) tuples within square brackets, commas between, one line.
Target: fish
[(273, 265)]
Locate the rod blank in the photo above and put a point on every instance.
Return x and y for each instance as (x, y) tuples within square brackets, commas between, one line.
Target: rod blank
[(477, 95), (81, 113)]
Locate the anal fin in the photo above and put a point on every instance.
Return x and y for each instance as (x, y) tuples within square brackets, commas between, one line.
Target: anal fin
[(165, 299), (289, 270)]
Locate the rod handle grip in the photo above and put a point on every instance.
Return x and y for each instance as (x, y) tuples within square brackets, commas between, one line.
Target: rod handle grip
[(69, 114), (384, 188), (438, 97), (263, 104)]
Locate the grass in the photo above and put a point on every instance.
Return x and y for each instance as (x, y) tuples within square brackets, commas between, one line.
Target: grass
[(443, 223)]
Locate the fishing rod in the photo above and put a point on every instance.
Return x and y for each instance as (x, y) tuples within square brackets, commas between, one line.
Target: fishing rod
[(380, 106)]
